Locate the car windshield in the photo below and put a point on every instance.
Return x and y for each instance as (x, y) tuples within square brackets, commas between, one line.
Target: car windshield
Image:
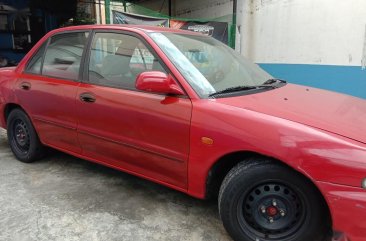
[(208, 65)]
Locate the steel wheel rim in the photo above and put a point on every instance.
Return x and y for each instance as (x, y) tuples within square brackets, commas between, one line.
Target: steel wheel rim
[(21, 137), (271, 211)]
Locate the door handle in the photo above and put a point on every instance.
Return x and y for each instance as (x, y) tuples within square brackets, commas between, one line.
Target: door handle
[(87, 97), (25, 86)]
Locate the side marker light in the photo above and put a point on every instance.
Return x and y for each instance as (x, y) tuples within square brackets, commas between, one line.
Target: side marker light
[(207, 140)]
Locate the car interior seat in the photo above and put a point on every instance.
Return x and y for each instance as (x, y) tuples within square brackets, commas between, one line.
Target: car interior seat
[(116, 67)]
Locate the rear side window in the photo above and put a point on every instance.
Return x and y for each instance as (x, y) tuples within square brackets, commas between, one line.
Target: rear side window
[(63, 55), (35, 63)]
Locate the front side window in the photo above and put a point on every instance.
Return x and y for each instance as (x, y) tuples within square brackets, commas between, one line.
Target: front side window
[(116, 60), (63, 55)]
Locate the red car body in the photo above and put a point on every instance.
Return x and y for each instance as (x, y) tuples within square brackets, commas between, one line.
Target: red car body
[(179, 141)]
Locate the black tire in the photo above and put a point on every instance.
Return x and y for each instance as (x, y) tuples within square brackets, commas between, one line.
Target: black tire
[(261, 200), (22, 137)]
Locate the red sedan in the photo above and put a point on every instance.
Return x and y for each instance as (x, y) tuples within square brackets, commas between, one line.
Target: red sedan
[(287, 162)]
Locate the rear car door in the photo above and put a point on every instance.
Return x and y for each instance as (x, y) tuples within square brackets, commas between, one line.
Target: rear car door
[(139, 132), (48, 86)]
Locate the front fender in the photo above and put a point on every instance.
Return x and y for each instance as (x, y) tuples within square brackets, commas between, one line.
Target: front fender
[(317, 154)]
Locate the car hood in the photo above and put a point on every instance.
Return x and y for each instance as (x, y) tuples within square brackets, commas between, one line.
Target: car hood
[(337, 113)]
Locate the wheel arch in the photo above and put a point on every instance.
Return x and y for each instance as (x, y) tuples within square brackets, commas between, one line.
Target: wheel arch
[(221, 167), (224, 164), (9, 107)]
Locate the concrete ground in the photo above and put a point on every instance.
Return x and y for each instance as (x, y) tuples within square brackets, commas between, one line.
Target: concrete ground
[(65, 198)]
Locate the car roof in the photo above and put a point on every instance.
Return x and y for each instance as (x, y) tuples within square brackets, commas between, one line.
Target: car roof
[(144, 28)]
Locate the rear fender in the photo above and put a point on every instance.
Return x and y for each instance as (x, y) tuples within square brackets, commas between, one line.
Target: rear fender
[(8, 78)]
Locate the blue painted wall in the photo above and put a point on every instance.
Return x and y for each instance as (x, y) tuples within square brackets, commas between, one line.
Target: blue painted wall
[(349, 80)]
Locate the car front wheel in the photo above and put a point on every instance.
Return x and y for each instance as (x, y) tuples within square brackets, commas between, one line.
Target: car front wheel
[(265, 201), (22, 137)]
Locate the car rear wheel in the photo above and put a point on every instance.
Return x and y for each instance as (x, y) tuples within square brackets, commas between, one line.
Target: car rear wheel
[(262, 201), (22, 137)]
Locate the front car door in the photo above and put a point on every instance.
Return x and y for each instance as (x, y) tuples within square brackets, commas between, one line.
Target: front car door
[(47, 89), (139, 132)]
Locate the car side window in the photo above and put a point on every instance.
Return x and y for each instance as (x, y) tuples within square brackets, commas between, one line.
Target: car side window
[(63, 55), (35, 63), (116, 59), (142, 60)]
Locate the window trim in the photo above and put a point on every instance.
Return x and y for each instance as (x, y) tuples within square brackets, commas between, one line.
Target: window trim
[(47, 42)]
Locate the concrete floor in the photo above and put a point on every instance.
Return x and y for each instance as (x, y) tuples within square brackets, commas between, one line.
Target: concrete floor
[(65, 198)]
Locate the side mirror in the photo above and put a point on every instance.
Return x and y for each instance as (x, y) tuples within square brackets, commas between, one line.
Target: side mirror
[(158, 82)]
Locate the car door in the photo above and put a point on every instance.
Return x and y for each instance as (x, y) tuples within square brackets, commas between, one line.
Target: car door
[(48, 86), (139, 132)]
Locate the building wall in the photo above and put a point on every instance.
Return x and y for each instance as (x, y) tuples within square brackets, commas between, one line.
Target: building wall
[(311, 42)]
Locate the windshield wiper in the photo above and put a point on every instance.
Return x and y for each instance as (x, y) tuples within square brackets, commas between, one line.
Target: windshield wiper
[(240, 88), (270, 83), (274, 81)]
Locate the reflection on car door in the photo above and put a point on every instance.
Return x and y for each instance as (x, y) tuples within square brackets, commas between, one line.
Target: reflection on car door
[(48, 86), (139, 132)]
